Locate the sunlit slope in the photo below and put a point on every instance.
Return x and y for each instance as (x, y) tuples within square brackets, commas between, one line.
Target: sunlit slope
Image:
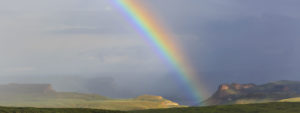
[(111, 104), (296, 99), (43, 96)]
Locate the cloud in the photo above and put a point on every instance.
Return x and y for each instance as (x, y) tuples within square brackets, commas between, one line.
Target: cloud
[(226, 41), (19, 69)]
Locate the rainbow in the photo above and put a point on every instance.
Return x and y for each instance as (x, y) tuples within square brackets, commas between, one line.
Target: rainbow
[(157, 36)]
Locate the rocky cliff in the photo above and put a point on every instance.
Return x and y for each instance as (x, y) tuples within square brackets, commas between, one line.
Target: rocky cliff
[(250, 93)]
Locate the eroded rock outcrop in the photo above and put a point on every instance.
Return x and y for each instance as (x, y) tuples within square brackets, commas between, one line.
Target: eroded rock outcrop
[(250, 93)]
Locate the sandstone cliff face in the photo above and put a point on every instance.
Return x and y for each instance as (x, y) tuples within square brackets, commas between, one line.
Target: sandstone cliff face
[(250, 93), (227, 93)]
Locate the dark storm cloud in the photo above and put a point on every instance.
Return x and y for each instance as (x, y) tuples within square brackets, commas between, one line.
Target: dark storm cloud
[(226, 41), (238, 41)]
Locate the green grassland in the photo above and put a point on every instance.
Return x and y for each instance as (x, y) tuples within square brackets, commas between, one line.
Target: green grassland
[(54, 110), (279, 107)]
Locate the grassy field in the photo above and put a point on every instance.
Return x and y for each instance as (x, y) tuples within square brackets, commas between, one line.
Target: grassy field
[(280, 107), (56, 110)]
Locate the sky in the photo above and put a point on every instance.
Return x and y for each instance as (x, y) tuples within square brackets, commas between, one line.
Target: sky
[(89, 46)]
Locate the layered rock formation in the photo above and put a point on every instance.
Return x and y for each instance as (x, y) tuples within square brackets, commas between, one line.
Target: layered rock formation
[(250, 93)]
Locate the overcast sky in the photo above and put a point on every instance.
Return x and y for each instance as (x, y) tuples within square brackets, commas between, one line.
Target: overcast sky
[(227, 41)]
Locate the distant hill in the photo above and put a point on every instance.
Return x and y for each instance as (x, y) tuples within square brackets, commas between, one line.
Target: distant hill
[(250, 93), (44, 96)]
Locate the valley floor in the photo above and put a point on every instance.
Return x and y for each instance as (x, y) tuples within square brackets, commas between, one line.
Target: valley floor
[(279, 107)]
